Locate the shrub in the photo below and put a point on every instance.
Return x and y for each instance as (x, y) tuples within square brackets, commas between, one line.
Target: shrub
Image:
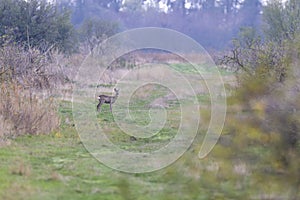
[(27, 82), (22, 112)]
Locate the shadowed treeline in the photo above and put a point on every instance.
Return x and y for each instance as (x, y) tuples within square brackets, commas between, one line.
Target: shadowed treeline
[(212, 23)]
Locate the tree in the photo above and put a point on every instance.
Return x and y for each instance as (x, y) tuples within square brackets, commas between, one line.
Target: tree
[(94, 31), (267, 54), (37, 23), (255, 57), (282, 21)]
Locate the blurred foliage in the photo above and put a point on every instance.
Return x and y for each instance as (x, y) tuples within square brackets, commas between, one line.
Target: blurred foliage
[(263, 127)]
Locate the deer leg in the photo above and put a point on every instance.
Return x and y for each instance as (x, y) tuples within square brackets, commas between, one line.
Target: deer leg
[(110, 107), (99, 106)]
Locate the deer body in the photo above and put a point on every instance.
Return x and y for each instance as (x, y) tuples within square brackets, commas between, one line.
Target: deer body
[(107, 99)]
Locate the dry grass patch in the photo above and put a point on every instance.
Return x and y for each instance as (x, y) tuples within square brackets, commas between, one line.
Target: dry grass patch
[(22, 112)]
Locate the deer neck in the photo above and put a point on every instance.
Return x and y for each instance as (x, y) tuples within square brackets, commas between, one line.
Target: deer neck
[(114, 97)]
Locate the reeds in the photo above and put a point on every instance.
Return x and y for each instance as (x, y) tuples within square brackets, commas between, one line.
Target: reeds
[(22, 112)]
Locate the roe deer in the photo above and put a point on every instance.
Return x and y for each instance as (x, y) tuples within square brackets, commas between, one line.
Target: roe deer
[(107, 99)]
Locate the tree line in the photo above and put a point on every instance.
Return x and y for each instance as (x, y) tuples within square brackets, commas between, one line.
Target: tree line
[(63, 24)]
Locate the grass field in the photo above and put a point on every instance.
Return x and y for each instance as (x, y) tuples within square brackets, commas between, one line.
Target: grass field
[(57, 166)]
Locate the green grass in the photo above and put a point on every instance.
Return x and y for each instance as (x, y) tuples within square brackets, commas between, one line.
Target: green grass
[(139, 112), (187, 68), (57, 166)]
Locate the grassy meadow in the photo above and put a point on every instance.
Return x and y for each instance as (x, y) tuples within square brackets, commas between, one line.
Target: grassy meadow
[(57, 166)]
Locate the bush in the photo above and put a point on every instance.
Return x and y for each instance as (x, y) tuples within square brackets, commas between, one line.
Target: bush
[(27, 82), (22, 112)]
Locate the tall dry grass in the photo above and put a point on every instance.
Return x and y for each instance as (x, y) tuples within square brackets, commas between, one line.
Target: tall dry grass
[(28, 80), (22, 112)]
